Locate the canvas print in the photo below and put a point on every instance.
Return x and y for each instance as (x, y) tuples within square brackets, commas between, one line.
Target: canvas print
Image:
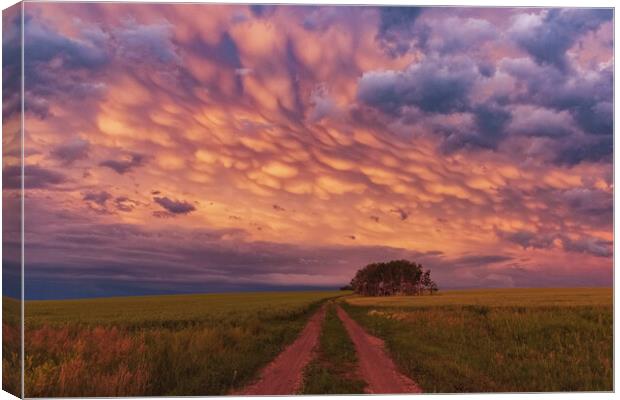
[(217, 199)]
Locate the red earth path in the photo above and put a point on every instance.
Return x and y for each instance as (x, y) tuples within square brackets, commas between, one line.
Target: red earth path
[(284, 374), (376, 367)]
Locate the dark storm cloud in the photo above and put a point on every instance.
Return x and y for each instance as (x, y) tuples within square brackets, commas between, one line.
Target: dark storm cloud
[(565, 101), (486, 69), (262, 10), (587, 97), (175, 206), (581, 150), (595, 117), (559, 29), (146, 43), (62, 68), (528, 239), (122, 253), (71, 151), (467, 35), (99, 198), (51, 61), (489, 129), (122, 166), (125, 204), (35, 177), (94, 48), (588, 245), (43, 44), (547, 240), (321, 18), (432, 85), (397, 28), (589, 201), (104, 202), (541, 122), (491, 121)]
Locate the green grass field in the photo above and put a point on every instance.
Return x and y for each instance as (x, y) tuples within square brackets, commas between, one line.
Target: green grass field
[(455, 341), (508, 340), (333, 371), (11, 343), (160, 345)]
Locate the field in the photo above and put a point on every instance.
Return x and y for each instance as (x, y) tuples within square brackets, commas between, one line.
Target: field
[(505, 340), (508, 340), (11, 341), (162, 345)]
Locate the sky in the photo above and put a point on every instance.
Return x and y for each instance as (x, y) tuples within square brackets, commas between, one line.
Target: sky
[(208, 148)]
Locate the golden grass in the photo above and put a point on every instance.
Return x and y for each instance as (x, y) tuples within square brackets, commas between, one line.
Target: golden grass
[(158, 345)]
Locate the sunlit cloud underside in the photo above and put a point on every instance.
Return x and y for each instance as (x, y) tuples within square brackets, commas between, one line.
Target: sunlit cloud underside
[(184, 148)]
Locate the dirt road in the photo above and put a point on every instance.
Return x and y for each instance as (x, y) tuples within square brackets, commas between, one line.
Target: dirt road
[(376, 367), (284, 374)]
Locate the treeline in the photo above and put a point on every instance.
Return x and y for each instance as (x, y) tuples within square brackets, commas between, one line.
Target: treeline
[(399, 277)]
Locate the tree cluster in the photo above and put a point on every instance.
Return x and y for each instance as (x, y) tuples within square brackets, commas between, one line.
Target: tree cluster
[(398, 277)]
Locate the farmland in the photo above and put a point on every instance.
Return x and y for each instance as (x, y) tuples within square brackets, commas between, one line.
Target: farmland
[(11, 341), (453, 341), (160, 345), (497, 340)]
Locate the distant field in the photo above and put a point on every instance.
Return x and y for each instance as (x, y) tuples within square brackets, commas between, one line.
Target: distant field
[(496, 298), (159, 345), (503, 340)]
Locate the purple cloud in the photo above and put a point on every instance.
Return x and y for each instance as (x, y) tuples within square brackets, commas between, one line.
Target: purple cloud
[(433, 85), (35, 177), (175, 206), (396, 31), (124, 165), (547, 36), (99, 198), (71, 151)]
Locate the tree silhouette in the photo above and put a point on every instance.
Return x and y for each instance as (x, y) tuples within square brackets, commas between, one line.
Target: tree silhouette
[(397, 277)]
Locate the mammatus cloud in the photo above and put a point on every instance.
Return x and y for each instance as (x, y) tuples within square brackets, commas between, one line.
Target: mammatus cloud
[(477, 142)]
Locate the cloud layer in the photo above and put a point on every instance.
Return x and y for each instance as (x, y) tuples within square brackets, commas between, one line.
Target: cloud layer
[(288, 146)]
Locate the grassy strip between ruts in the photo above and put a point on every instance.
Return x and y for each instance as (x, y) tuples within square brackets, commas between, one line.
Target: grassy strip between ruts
[(478, 348), (159, 345), (334, 370)]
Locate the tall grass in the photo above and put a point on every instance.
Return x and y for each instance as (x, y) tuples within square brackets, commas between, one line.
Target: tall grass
[(11, 343), (491, 348), (164, 345)]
